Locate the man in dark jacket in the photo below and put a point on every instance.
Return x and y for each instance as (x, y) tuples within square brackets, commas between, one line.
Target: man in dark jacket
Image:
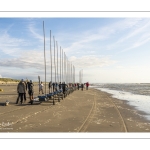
[(82, 86), (25, 90), (64, 87), (21, 90), (50, 86), (60, 85), (31, 91), (78, 86)]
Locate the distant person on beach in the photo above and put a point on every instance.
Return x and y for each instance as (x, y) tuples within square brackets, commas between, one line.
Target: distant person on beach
[(60, 86), (27, 87), (21, 90), (25, 90), (56, 86), (27, 82), (87, 85), (78, 86), (64, 86), (53, 84), (82, 86), (75, 85), (41, 88), (50, 85), (30, 91)]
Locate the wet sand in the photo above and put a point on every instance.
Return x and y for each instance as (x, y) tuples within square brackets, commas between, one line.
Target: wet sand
[(81, 111)]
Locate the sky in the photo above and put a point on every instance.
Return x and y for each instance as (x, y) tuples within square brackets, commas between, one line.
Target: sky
[(108, 49)]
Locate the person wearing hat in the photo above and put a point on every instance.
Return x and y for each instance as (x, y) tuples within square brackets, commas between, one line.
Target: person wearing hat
[(21, 90)]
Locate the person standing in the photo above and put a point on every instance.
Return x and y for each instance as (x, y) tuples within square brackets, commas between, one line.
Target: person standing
[(53, 84), (64, 86), (56, 86), (21, 90), (41, 88), (60, 86), (28, 82), (87, 85), (31, 91), (25, 90), (82, 86), (78, 86), (50, 85), (75, 85)]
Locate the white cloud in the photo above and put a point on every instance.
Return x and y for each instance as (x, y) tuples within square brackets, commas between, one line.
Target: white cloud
[(30, 59), (34, 33), (135, 37), (136, 26), (137, 44), (38, 34), (11, 45), (91, 61)]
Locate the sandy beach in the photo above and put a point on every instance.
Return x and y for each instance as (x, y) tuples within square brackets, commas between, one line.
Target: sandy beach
[(81, 111)]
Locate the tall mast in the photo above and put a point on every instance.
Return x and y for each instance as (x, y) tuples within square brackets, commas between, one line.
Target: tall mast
[(51, 56), (60, 64), (62, 67), (54, 59), (57, 62), (44, 56)]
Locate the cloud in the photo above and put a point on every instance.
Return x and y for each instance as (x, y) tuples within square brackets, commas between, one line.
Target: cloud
[(34, 32), (124, 29), (135, 36), (30, 59), (38, 34), (91, 61), (127, 23), (11, 45), (136, 44)]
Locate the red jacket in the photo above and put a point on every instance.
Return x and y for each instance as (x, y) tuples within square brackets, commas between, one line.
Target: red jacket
[(87, 84)]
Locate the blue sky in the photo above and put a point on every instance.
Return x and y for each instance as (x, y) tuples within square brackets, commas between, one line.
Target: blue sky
[(109, 50)]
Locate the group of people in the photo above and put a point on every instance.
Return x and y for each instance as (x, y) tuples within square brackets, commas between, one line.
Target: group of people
[(82, 85), (24, 86), (57, 86)]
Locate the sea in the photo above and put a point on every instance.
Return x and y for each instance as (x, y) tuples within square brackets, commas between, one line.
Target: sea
[(136, 94)]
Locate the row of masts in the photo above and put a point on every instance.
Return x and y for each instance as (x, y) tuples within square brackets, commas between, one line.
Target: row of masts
[(61, 69)]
